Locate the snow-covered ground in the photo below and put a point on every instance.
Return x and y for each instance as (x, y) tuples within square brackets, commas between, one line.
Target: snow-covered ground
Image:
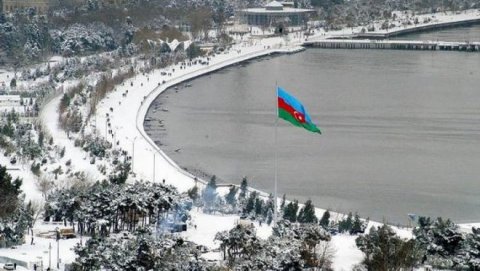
[(6, 75), (435, 19), (43, 251), (126, 113), (49, 118), (29, 187)]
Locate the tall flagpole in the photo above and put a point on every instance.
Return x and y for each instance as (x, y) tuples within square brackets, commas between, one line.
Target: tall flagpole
[(275, 213)]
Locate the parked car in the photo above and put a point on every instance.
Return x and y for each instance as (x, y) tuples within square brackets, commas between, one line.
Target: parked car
[(9, 266)]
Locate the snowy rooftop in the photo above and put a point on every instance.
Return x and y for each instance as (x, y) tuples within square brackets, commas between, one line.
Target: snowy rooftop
[(274, 4), (276, 7), (277, 11), (9, 97)]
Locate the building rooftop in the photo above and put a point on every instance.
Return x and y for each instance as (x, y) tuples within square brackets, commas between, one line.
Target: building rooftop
[(283, 10), (274, 4)]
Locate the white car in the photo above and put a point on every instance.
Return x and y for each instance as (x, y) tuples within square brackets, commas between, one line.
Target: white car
[(9, 266)]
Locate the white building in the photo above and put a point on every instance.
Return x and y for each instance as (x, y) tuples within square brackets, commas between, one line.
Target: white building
[(276, 14), (10, 100)]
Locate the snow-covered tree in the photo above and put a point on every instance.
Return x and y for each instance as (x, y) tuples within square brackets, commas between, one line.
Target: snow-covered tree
[(325, 220), (15, 216), (307, 213), (441, 239), (290, 211), (231, 197), (384, 250), (209, 195), (243, 189)]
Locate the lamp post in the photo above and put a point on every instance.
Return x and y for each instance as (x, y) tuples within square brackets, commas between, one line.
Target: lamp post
[(49, 255), (58, 247), (153, 166), (106, 125), (133, 152)]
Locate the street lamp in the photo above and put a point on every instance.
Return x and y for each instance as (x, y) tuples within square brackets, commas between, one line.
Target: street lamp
[(153, 166), (153, 169), (106, 125), (49, 255), (58, 247), (133, 151)]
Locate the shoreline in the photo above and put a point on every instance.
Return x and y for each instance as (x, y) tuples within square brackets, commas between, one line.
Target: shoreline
[(129, 128), (466, 221), (142, 111), (418, 29)]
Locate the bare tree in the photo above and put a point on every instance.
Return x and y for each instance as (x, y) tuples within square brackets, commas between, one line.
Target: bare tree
[(44, 185), (200, 21), (325, 253), (36, 208)]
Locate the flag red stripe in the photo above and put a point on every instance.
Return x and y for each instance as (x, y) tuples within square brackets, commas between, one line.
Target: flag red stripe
[(282, 104)]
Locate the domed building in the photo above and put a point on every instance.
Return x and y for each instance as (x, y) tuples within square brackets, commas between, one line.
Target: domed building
[(276, 14)]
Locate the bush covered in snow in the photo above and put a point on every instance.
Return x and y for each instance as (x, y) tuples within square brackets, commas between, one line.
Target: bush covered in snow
[(81, 39), (15, 216), (292, 246), (384, 250), (141, 251), (103, 208)]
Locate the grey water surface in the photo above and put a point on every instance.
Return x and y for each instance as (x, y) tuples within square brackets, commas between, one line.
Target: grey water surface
[(401, 129)]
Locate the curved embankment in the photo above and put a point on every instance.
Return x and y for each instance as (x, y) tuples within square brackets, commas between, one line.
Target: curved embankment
[(143, 109)]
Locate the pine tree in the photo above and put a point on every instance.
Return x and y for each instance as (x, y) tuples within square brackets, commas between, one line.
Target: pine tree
[(384, 250), (13, 83), (9, 190), (269, 205), (249, 207), (41, 137), (345, 225), (259, 206), (357, 226), (269, 216), (193, 193), (243, 189), (325, 220), (210, 194), (307, 213), (284, 199), (230, 198), (290, 211)]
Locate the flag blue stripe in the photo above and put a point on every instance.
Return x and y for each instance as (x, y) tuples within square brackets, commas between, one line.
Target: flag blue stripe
[(293, 102)]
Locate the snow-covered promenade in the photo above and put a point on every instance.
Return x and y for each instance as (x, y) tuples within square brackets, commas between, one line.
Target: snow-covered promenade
[(400, 26), (129, 112)]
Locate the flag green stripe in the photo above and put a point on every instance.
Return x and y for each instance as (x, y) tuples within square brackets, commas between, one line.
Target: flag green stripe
[(282, 113)]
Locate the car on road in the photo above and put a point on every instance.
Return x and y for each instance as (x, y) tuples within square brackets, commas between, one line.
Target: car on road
[(8, 266)]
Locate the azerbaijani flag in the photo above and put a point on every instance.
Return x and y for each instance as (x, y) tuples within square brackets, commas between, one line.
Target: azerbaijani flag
[(291, 110)]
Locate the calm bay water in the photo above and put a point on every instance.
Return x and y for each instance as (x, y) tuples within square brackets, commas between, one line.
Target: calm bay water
[(401, 129), (464, 33)]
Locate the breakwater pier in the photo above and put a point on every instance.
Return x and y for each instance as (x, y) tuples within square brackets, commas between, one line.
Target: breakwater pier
[(394, 45)]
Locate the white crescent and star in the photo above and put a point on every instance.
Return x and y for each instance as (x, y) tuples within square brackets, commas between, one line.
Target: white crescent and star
[(298, 116)]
